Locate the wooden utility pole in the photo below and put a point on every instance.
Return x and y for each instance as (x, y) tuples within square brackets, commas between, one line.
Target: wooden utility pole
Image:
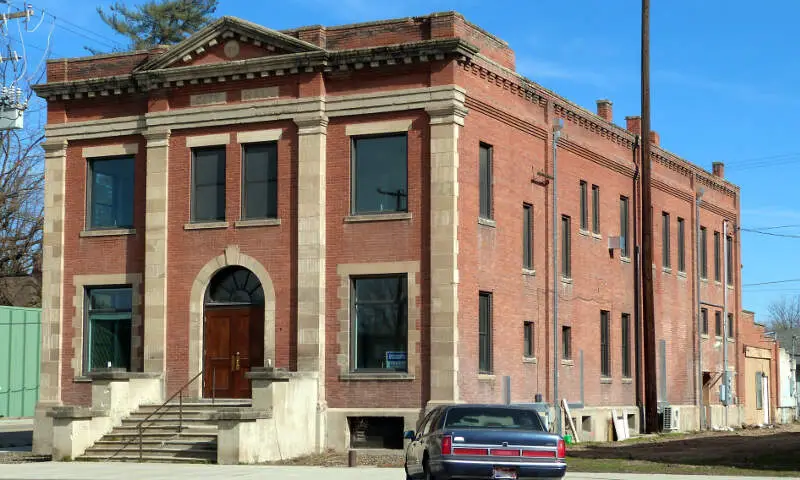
[(649, 321)]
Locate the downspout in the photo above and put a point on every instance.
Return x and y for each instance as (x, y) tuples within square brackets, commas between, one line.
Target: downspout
[(637, 286)]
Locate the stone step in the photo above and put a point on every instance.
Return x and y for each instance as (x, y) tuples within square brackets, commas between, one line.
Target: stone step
[(112, 453), (187, 415), (167, 443), (152, 449), (165, 430), (149, 436), (159, 421), (148, 459)]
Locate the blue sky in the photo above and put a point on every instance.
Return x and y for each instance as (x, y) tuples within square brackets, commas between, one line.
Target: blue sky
[(724, 77)]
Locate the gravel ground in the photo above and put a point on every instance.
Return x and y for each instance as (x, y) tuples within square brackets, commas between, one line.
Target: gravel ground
[(22, 457)]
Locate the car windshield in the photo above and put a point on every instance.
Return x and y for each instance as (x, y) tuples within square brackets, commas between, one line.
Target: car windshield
[(491, 417)]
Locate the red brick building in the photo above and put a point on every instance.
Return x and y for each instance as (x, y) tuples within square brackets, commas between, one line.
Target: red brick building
[(374, 202)]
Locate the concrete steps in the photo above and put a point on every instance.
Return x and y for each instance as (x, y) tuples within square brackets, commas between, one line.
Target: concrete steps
[(162, 439)]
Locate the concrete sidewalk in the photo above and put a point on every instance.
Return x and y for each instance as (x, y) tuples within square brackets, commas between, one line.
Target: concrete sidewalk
[(150, 471)]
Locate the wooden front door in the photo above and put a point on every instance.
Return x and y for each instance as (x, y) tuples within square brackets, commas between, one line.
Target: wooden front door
[(233, 342)]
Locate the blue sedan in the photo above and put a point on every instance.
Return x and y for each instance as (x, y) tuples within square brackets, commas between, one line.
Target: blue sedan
[(484, 442)]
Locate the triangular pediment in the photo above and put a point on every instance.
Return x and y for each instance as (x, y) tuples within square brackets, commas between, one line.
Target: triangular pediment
[(226, 40)]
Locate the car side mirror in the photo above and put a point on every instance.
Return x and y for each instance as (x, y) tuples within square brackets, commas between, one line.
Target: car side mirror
[(409, 435)]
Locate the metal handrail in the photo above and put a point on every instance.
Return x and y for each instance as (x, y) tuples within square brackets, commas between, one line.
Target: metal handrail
[(140, 427)]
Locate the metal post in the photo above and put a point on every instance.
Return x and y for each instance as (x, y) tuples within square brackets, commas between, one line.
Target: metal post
[(140, 442), (702, 407), (725, 319), (180, 412), (507, 390), (556, 272)]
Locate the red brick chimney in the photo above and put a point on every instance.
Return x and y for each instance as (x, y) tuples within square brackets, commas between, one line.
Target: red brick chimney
[(634, 124), (654, 138), (605, 110), (718, 168)]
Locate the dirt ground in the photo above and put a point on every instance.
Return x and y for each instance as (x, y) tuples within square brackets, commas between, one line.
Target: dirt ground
[(764, 449), (776, 449)]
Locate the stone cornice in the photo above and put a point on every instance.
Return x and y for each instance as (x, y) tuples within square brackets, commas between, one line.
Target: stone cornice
[(430, 98), (275, 65)]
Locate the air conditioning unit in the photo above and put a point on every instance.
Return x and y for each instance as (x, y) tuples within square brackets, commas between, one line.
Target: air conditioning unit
[(672, 419)]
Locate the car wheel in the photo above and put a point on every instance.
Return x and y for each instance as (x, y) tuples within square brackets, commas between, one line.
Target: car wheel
[(426, 468)]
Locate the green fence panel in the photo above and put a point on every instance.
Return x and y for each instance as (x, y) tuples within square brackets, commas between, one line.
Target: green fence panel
[(20, 348)]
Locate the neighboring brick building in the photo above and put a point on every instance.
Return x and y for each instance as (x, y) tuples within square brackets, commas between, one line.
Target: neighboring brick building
[(232, 180)]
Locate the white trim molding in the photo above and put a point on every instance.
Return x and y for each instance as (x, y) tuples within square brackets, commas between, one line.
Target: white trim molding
[(375, 128)]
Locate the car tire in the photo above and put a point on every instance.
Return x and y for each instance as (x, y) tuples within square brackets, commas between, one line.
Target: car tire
[(426, 469)]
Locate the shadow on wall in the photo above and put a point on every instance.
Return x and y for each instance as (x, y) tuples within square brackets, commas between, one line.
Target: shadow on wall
[(767, 452)]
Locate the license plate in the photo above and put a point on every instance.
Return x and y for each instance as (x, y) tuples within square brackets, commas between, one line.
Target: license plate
[(504, 473)]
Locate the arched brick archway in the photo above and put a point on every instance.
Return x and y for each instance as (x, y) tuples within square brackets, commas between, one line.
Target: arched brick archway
[(231, 257)]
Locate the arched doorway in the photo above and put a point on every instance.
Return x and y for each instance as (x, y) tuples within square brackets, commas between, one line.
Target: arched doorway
[(233, 333)]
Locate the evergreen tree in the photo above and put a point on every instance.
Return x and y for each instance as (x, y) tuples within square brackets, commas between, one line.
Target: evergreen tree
[(158, 22)]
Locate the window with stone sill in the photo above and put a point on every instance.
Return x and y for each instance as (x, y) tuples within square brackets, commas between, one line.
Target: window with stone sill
[(208, 184), (260, 181), (379, 324), (108, 326), (110, 193), (379, 174)]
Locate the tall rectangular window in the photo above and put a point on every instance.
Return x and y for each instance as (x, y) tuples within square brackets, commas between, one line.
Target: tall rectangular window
[(584, 205), (665, 246), (596, 209), (759, 391), (605, 344), (485, 332), (729, 259), (528, 347), (208, 184), (110, 193), (623, 226), (626, 345), (108, 321), (730, 325), (485, 181), (703, 253), (704, 320), (380, 174), (718, 324), (527, 236), (260, 181), (380, 323), (566, 342), (717, 255), (566, 247)]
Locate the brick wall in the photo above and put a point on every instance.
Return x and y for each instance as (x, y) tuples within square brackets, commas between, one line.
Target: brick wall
[(94, 256)]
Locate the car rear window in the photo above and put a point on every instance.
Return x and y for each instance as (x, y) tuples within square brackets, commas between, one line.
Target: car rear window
[(489, 417)]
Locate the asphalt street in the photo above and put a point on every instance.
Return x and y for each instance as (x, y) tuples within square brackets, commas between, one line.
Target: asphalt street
[(131, 471)]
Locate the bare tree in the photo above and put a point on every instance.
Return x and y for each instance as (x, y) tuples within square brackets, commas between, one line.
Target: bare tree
[(22, 185), (784, 313)]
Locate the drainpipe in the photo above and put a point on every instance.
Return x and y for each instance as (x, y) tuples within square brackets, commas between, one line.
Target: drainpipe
[(557, 126), (699, 200), (725, 318), (637, 287)]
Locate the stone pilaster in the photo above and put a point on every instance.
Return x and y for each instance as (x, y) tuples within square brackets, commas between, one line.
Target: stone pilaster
[(55, 152), (445, 125), (155, 258), (311, 211)]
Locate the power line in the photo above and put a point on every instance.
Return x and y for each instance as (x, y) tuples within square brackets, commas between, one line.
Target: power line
[(777, 227), (771, 283), (783, 235)]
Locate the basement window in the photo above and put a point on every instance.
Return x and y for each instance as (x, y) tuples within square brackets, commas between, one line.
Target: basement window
[(376, 432)]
